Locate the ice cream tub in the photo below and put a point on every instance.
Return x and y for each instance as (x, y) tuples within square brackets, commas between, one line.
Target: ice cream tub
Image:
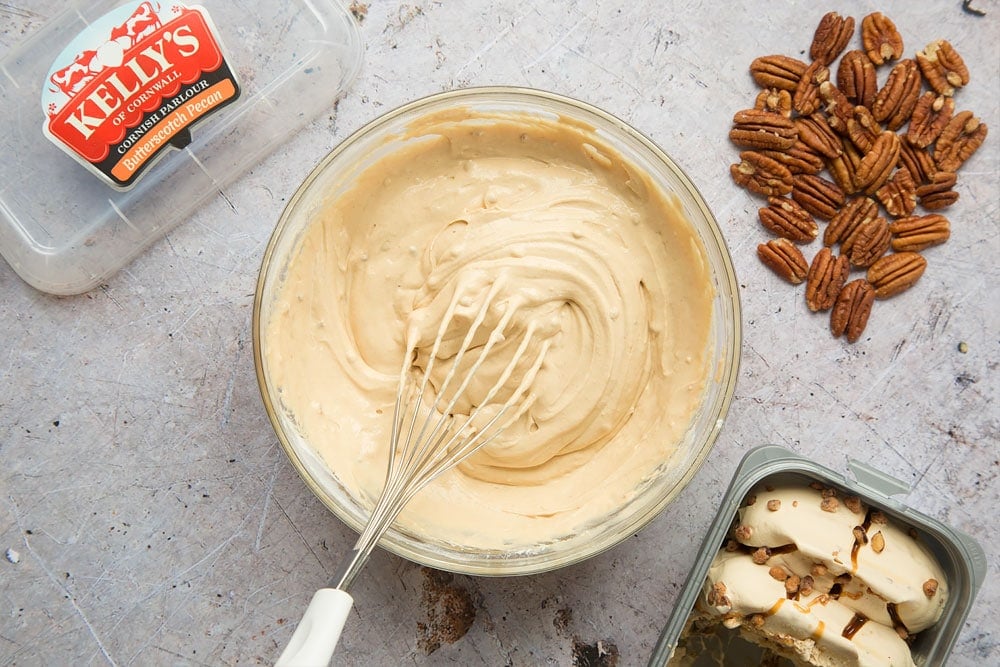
[(802, 565)]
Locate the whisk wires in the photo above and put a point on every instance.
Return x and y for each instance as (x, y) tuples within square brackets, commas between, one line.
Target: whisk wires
[(421, 449)]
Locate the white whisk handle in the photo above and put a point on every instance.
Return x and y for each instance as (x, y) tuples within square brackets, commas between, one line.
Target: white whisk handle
[(318, 632)]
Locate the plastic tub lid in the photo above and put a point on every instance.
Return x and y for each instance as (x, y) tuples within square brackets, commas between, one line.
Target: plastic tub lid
[(63, 229)]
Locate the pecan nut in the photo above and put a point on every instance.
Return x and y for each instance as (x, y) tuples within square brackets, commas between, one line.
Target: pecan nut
[(838, 108), (960, 138), (938, 194), (774, 100), (806, 98), (894, 102), (763, 175), (899, 194), (816, 133), (943, 68), (930, 116), (857, 211), (844, 168), (852, 309), (777, 71), (827, 275), (869, 241), (787, 219), (919, 162), (915, 233), (856, 78), (895, 273), (754, 128), (785, 259), (831, 37), (799, 159), (880, 38), (817, 195), (876, 166), (862, 128)]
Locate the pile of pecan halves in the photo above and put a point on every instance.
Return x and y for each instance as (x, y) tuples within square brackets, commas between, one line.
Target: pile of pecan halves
[(834, 146)]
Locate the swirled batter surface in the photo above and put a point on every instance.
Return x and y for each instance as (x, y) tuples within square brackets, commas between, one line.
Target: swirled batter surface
[(564, 238)]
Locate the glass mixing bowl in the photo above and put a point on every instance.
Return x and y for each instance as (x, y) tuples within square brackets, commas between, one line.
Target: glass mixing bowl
[(386, 134)]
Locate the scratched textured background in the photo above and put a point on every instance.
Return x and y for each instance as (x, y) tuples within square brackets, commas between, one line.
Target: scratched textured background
[(156, 521)]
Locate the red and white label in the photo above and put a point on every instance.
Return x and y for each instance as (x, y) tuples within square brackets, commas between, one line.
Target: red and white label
[(139, 79)]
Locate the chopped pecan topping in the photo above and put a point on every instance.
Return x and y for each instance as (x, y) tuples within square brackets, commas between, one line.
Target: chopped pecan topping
[(831, 37), (915, 233), (943, 68), (827, 275), (829, 504), (717, 595), (853, 503), (856, 78), (880, 38), (743, 532), (792, 584), (930, 116), (895, 273), (878, 542), (760, 555), (850, 313), (785, 259), (930, 587), (777, 71), (774, 505)]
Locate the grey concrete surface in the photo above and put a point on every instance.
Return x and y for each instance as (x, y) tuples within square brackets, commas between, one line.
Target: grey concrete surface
[(149, 516)]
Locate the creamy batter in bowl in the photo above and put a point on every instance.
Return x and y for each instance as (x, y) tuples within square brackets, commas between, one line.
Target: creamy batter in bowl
[(609, 252)]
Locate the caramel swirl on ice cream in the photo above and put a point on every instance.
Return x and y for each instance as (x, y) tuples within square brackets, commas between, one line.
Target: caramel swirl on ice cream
[(867, 577)]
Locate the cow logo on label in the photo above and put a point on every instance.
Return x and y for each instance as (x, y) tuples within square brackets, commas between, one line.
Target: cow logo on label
[(131, 86)]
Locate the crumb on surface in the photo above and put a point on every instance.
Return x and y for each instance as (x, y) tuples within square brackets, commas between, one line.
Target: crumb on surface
[(602, 653), (449, 611), (359, 10)]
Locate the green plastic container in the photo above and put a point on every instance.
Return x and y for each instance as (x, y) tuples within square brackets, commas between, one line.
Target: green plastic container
[(961, 557)]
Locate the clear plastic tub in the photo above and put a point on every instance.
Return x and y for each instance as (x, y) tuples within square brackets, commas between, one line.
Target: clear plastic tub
[(65, 231)]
